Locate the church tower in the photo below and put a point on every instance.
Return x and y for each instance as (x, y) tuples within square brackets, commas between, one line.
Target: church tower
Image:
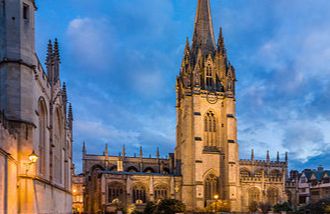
[(206, 148)]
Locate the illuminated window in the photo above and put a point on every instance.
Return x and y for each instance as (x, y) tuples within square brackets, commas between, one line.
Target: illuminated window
[(210, 187), (160, 192), (139, 194)]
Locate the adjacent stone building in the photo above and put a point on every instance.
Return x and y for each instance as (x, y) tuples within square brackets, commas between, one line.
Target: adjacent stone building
[(36, 120), (308, 186), (206, 161)]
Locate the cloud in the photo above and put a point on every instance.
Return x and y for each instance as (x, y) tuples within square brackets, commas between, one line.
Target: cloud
[(89, 41)]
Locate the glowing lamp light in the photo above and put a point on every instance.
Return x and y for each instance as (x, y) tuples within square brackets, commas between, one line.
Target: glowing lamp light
[(33, 157), (216, 197)]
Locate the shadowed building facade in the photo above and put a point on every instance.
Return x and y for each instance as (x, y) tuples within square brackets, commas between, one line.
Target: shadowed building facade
[(206, 159), (35, 119)]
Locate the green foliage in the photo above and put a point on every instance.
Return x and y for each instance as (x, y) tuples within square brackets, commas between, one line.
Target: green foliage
[(253, 207), (170, 206), (282, 207), (322, 206), (166, 206), (150, 207)]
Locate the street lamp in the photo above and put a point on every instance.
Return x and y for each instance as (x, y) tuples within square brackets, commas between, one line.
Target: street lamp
[(216, 197), (33, 157)]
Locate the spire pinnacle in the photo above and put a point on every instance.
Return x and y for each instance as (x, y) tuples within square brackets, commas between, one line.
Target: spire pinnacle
[(278, 157), (221, 43), (106, 151), (123, 151), (203, 34), (252, 154), (141, 152), (267, 156), (56, 51), (84, 148), (286, 157), (157, 152), (49, 56)]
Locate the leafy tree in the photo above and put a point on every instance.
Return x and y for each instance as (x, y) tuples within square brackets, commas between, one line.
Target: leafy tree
[(327, 209), (282, 207), (150, 207), (253, 207), (169, 206)]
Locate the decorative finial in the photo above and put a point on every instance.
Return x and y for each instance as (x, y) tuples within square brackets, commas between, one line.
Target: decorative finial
[(49, 56), (141, 152), (267, 156), (106, 151), (123, 151), (157, 153), (56, 52), (84, 148), (278, 157), (286, 157), (252, 154)]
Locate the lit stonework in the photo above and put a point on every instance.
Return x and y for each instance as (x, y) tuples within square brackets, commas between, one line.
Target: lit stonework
[(36, 122)]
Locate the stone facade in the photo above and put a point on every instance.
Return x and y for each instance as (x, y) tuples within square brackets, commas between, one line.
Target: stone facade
[(206, 159), (38, 118)]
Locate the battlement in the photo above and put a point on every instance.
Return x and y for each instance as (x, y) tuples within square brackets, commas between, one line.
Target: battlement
[(262, 163)]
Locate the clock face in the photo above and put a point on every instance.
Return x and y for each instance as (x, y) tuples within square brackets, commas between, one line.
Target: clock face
[(212, 98)]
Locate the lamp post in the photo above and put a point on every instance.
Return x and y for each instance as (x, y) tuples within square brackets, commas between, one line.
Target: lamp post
[(33, 157), (215, 208)]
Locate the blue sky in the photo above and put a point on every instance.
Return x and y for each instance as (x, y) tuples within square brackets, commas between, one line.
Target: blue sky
[(120, 60)]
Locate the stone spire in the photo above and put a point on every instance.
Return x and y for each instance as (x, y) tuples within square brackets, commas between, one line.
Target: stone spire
[(157, 153), (84, 148), (286, 157), (70, 116), (123, 151), (106, 151), (57, 61), (64, 96), (221, 43), (186, 58), (252, 154), (203, 33), (278, 157), (267, 156), (141, 152), (49, 60)]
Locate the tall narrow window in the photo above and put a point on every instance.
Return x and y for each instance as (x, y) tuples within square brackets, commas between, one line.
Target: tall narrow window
[(208, 77), (254, 195), (42, 136), (116, 191), (211, 187), (210, 130), (272, 196), (161, 192), (139, 194), (26, 11)]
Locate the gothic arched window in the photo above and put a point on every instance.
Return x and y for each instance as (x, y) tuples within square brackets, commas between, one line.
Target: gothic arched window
[(42, 135), (209, 77), (58, 147), (211, 186), (116, 191), (139, 194), (210, 128), (161, 192), (254, 195), (245, 173), (272, 196)]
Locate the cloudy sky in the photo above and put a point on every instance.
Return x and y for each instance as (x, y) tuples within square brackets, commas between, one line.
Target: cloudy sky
[(120, 60)]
